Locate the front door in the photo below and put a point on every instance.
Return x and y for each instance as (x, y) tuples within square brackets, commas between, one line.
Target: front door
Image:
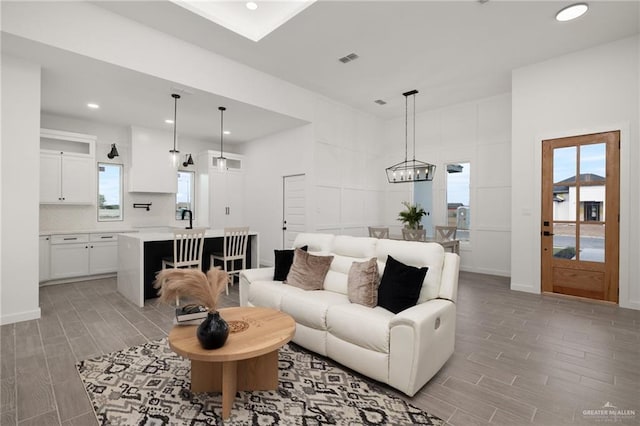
[(580, 215), (293, 208)]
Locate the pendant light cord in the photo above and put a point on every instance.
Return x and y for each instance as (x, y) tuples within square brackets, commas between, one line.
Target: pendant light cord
[(406, 126), (414, 129), (222, 109), (175, 119)]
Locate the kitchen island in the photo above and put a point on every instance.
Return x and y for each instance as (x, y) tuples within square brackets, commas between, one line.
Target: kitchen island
[(140, 258)]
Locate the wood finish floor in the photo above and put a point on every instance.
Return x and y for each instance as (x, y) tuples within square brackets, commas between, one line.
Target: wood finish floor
[(519, 358)]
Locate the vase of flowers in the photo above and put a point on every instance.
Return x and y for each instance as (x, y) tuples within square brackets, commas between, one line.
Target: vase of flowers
[(212, 333), (412, 215)]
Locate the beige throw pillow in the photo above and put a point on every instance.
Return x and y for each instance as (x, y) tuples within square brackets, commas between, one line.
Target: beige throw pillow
[(362, 283), (308, 271)]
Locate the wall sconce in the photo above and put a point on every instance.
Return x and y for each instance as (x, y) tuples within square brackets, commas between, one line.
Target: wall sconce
[(113, 153), (188, 161)]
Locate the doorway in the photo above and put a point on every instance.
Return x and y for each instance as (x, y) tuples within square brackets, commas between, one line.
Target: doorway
[(581, 215), (293, 208)]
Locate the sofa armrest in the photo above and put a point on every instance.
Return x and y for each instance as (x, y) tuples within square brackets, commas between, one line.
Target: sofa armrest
[(421, 340), (247, 276)]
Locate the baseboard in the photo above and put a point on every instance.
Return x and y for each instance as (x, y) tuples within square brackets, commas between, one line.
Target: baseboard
[(486, 271), (524, 288), (78, 279), (630, 304), (20, 316)]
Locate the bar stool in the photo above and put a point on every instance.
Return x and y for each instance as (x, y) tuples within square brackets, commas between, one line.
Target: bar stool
[(187, 250), (234, 249)]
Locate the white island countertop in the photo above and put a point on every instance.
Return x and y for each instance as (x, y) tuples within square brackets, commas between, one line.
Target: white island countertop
[(165, 236)]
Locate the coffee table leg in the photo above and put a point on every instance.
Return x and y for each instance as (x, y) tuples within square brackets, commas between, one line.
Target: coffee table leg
[(229, 386), (206, 376)]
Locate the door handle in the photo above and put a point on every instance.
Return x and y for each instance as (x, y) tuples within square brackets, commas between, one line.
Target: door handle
[(547, 233)]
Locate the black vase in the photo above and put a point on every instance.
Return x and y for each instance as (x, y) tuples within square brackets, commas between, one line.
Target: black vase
[(213, 331)]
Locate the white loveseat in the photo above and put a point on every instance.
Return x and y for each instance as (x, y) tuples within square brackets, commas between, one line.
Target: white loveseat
[(403, 350)]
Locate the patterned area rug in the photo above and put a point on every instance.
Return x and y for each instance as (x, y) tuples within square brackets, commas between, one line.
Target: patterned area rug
[(149, 385)]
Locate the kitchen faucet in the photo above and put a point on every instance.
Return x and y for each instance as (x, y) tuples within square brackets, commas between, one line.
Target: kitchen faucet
[(190, 218)]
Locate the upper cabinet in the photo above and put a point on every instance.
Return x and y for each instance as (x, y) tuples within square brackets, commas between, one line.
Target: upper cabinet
[(67, 167), (220, 192), (151, 167)]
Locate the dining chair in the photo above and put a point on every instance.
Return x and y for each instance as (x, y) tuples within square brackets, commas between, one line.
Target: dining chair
[(187, 250), (446, 233), (414, 234), (378, 232), (234, 249)]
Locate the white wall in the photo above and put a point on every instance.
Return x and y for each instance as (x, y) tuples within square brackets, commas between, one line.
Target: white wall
[(267, 160), (162, 212), (478, 132), (338, 154), (21, 190), (589, 91)]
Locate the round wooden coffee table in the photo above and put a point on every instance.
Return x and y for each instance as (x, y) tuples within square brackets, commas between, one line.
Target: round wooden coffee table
[(247, 361)]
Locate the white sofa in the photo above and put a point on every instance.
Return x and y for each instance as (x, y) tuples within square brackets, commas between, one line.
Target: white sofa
[(403, 350)]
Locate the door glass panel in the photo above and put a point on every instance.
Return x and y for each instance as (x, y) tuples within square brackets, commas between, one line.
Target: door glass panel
[(592, 242), (593, 160), (564, 241), (564, 180)]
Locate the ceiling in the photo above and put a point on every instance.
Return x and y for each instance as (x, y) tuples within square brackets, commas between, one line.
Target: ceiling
[(451, 51), (126, 97)]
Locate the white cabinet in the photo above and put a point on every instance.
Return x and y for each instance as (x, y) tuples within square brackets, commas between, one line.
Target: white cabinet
[(44, 257), (103, 253), (220, 199), (226, 199), (67, 167), (69, 256), (151, 168), (66, 178), (77, 255)]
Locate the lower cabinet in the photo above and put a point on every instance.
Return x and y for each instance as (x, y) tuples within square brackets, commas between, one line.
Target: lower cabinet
[(45, 258), (77, 255)]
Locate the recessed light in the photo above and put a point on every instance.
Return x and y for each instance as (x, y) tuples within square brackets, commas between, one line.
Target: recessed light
[(168, 121), (226, 132), (572, 12), (252, 5), (93, 106)]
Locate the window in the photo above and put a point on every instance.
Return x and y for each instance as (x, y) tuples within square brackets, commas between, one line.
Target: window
[(109, 192), (185, 194), (458, 206)]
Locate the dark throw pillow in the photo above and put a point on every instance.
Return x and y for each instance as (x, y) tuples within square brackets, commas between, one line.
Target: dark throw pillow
[(308, 271), (283, 262), (400, 285)]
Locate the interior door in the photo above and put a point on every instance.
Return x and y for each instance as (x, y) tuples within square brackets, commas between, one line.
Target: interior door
[(293, 208), (580, 215)]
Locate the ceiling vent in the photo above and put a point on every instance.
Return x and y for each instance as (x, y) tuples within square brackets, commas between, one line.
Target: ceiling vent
[(350, 57), (380, 102), (182, 90)]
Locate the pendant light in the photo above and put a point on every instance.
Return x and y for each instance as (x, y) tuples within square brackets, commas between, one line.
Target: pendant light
[(174, 152), (410, 170), (222, 161)]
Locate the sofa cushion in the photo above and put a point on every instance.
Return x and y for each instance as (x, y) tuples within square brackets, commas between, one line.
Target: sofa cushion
[(283, 259), (269, 294), (310, 307), (318, 243), (362, 283), (308, 271), (418, 254), (347, 323), (400, 285)]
